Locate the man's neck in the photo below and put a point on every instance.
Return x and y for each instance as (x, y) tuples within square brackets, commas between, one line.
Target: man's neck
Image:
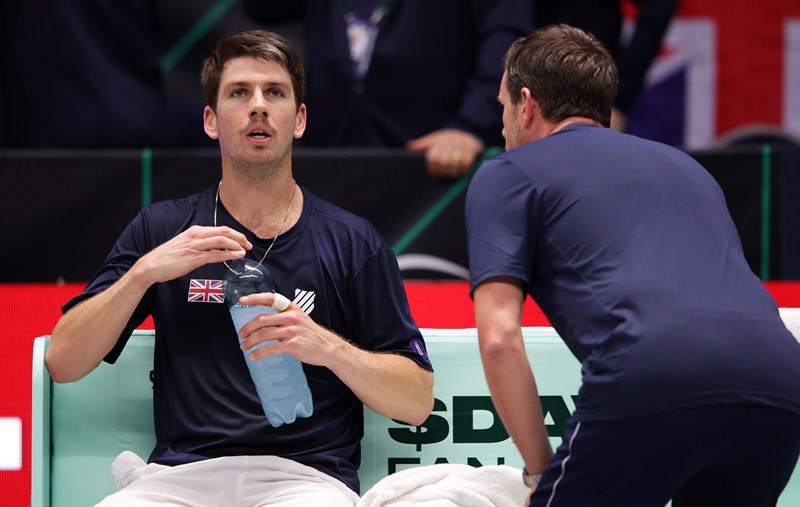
[(543, 128), (569, 121), (262, 206)]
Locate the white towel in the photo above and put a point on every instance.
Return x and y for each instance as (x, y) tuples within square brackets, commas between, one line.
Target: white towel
[(791, 317), (449, 485), (126, 468)]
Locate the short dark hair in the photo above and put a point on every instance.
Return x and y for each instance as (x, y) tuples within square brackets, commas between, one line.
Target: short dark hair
[(568, 71), (258, 43)]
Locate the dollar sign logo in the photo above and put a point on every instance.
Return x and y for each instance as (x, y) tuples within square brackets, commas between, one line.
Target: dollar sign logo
[(433, 430)]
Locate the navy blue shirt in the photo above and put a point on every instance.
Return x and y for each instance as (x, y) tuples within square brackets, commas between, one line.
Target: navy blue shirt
[(628, 248), (334, 264)]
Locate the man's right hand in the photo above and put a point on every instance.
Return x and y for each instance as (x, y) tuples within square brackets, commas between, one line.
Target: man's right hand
[(86, 333), (194, 247)]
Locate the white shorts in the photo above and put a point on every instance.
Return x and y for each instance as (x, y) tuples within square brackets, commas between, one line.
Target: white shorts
[(232, 481)]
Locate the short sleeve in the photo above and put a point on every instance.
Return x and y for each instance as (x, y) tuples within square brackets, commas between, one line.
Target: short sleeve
[(383, 316), (126, 251), (501, 223)]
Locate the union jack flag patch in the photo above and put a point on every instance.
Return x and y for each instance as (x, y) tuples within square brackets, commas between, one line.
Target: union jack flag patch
[(206, 291)]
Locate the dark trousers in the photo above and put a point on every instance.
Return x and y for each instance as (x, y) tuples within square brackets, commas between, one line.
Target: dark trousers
[(722, 455)]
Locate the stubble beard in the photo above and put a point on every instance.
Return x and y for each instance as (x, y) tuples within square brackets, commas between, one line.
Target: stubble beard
[(260, 172)]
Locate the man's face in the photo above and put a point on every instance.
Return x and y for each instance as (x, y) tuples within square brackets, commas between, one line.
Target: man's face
[(511, 127), (256, 119)]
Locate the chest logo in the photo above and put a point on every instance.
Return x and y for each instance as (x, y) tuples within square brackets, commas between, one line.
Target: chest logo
[(206, 291), (305, 299)]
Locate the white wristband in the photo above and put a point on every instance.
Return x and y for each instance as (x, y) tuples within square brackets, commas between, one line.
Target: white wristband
[(281, 303)]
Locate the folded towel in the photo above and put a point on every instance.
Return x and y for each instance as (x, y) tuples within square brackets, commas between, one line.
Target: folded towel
[(791, 317), (449, 485), (126, 468)]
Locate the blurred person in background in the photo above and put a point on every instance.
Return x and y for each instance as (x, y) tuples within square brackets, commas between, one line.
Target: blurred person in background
[(405, 73), (633, 50), (86, 74)]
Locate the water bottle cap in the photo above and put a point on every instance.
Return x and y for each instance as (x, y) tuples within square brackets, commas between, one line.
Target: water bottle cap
[(246, 277)]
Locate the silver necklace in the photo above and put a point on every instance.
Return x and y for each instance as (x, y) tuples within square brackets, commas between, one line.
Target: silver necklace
[(280, 231)]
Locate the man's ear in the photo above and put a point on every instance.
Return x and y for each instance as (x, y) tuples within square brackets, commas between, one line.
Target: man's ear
[(300, 121), (210, 123), (530, 107)]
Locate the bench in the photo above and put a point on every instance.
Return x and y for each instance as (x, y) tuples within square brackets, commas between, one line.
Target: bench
[(79, 428)]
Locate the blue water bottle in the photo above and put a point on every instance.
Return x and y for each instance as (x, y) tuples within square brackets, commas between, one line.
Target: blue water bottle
[(280, 382)]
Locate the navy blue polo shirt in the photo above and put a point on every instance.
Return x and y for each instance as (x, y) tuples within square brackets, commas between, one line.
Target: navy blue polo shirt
[(334, 264), (628, 247)]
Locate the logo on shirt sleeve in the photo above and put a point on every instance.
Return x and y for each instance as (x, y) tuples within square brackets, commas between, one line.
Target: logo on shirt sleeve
[(206, 291), (419, 347)]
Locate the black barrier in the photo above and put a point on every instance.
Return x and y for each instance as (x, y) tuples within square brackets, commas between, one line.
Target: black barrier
[(63, 210)]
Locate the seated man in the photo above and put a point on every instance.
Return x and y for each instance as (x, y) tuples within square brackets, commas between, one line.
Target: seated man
[(353, 333)]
